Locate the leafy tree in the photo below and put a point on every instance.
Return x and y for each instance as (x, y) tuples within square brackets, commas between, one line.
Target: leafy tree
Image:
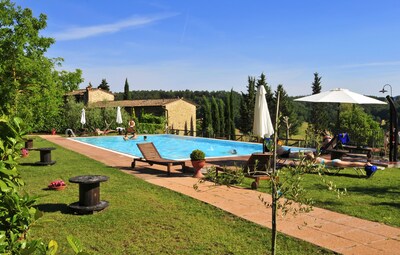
[(104, 85), (70, 80), (127, 93), (360, 126), (29, 86)]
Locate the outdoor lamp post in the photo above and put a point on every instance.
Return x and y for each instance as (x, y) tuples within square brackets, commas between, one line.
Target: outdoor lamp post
[(393, 131), (384, 90)]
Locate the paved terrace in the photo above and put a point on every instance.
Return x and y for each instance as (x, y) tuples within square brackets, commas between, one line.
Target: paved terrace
[(337, 232)]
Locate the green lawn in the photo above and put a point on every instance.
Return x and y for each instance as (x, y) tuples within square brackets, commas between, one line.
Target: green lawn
[(142, 218), (375, 199)]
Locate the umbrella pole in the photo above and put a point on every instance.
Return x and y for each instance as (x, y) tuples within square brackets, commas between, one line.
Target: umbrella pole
[(338, 119)]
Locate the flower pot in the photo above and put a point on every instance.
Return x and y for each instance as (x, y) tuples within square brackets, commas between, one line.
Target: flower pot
[(24, 152), (58, 187), (198, 165)]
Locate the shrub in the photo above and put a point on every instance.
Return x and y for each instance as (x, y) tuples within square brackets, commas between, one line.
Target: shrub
[(197, 155)]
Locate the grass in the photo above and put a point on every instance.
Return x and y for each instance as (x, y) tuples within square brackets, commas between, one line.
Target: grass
[(374, 199), (142, 218)]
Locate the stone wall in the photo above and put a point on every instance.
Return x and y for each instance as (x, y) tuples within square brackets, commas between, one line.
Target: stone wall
[(98, 95), (179, 113)]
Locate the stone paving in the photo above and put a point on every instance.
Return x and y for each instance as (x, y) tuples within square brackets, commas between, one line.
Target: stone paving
[(338, 232)]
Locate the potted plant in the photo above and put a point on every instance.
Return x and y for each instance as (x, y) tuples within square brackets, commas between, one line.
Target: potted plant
[(198, 158)]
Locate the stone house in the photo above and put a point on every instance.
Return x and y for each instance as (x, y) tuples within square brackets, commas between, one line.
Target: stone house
[(179, 113), (91, 95)]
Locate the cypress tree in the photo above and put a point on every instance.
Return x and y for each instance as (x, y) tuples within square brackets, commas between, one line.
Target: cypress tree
[(318, 116), (207, 117), (232, 127), (221, 107), (247, 107), (127, 93), (269, 96), (216, 123), (228, 117)]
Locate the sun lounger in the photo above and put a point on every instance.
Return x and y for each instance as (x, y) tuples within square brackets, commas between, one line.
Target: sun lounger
[(339, 150), (153, 157), (257, 167)]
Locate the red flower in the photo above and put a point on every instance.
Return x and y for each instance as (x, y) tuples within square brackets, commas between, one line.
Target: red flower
[(56, 184)]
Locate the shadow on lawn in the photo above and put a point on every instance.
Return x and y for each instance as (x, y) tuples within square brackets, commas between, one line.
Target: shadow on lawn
[(391, 204), (148, 170), (63, 208), (342, 174), (29, 164), (374, 191)]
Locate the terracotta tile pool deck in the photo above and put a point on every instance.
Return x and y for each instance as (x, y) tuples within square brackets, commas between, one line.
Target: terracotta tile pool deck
[(338, 232)]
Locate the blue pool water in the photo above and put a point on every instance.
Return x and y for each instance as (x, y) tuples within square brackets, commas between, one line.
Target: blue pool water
[(178, 147), (173, 146)]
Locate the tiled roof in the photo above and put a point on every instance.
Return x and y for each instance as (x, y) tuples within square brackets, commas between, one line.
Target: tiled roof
[(76, 92), (136, 103), (83, 91)]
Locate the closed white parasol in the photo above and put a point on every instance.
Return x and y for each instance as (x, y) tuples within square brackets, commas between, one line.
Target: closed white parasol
[(119, 116), (262, 124), (83, 117)]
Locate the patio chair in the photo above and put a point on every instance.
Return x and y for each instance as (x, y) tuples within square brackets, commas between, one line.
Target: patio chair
[(258, 167), (153, 157), (338, 148)]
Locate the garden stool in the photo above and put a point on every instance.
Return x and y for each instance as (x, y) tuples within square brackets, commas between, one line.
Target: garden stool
[(89, 194)]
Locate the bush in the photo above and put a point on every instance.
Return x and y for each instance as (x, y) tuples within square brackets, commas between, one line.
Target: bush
[(197, 155)]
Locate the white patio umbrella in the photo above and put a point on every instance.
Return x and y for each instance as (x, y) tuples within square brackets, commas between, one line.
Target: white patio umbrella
[(83, 117), (119, 116), (339, 96), (262, 124)]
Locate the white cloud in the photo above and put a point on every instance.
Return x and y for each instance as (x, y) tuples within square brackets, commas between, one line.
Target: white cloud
[(90, 31)]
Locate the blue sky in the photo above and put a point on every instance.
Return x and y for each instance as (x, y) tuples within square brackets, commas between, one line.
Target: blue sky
[(216, 45)]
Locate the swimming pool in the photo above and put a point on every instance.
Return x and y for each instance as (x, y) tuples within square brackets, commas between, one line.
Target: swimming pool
[(178, 147), (174, 146)]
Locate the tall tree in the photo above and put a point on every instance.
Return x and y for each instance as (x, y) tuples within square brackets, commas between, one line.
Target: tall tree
[(29, 86), (127, 93), (221, 107), (216, 120), (269, 96), (318, 116), (104, 85), (70, 80), (207, 124), (232, 128), (232, 125), (247, 107), (288, 117)]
